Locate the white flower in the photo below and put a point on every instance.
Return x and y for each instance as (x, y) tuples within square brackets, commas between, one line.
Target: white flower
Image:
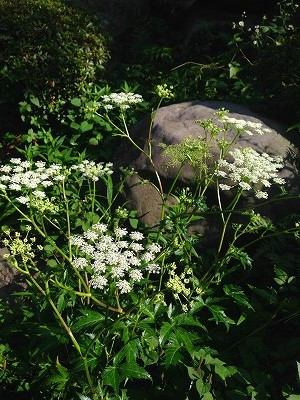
[(221, 173), (134, 261), (87, 248), (123, 244), (121, 100), (99, 267), (251, 168), (99, 282), (40, 164), (5, 168), (93, 171), (154, 248), (123, 286), (136, 236), (247, 127), (114, 260), (101, 228), (224, 187), (120, 232), (135, 246), (46, 183), (153, 268), (136, 275), (80, 262), (265, 182), (279, 181), (23, 199), (261, 195), (15, 161), (91, 235), (59, 178), (241, 23), (15, 186), (76, 240), (148, 256), (245, 185), (39, 193)]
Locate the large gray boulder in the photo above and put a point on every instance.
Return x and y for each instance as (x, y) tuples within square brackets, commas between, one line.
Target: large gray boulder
[(176, 122)]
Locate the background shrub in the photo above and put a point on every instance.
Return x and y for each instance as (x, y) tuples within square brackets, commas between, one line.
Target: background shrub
[(47, 46)]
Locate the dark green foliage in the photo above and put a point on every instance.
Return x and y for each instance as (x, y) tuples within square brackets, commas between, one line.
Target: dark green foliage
[(46, 46)]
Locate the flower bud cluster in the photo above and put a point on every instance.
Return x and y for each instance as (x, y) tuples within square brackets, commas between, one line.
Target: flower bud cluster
[(121, 100), (118, 258), (19, 247), (164, 92), (250, 169), (179, 285)]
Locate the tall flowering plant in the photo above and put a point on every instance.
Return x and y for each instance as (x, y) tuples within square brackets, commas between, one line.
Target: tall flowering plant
[(113, 301)]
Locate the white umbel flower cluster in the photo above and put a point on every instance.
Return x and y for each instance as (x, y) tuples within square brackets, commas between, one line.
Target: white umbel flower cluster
[(93, 171), (248, 127), (36, 176), (20, 175), (115, 257), (249, 170), (121, 100)]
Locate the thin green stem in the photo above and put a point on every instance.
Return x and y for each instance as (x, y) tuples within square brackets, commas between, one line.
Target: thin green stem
[(237, 197), (68, 219), (70, 333)]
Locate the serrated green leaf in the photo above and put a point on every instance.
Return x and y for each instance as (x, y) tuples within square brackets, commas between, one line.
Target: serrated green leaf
[(62, 370), (183, 337), (188, 320), (165, 332), (87, 321), (220, 316), (61, 302), (112, 377), (132, 370), (173, 352), (238, 295), (131, 350), (266, 294)]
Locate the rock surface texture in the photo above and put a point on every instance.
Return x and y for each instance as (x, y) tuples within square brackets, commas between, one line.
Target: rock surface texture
[(8, 276), (176, 122)]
